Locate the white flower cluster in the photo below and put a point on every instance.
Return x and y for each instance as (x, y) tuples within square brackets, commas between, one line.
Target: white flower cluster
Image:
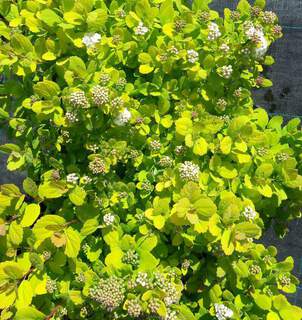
[(108, 219), (141, 30), (91, 39), (222, 312), (189, 171), (214, 31), (171, 315), (256, 35), (71, 117), (142, 279), (192, 56), (249, 213), (123, 118), (72, 178), (225, 48), (226, 71)]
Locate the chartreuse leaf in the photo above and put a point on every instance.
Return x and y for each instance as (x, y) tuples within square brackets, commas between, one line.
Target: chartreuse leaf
[(32, 212), (185, 313), (215, 293), (29, 313), (200, 147), (15, 233), (251, 230), (243, 6), (52, 190), (184, 126), (291, 312), (73, 242), (260, 3), (114, 259), (96, 19), (7, 298), (145, 68), (49, 17), (46, 89), (226, 145), (21, 44), (77, 196), (263, 301), (24, 295), (227, 240), (30, 187), (272, 316), (166, 12)]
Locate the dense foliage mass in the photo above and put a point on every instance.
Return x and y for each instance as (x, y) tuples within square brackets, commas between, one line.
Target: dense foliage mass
[(150, 174)]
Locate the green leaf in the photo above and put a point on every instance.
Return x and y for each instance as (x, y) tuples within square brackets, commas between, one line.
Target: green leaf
[(147, 260), (29, 313), (30, 187), (47, 89), (215, 293), (15, 233), (291, 312), (73, 242), (243, 6), (13, 270), (260, 3), (205, 207), (226, 170), (184, 313), (31, 214), (77, 196), (25, 295), (89, 226), (77, 65), (15, 161), (200, 147), (251, 230), (114, 259), (96, 19), (263, 301), (227, 242), (21, 44), (52, 190), (200, 4), (166, 12), (49, 17)]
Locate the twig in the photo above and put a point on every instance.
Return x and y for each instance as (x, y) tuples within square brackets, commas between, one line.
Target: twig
[(53, 312)]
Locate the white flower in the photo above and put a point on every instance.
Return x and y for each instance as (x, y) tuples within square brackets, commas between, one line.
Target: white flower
[(86, 180), (108, 219), (142, 279), (72, 178), (214, 31), (226, 71), (262, 47), (91, 39), (225, 48), (192, 56), (249, 213), (222, 312), (123, 118), (140, 30), (189, 171)]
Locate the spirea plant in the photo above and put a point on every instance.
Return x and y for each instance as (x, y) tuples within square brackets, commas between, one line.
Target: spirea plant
[(149, 172)]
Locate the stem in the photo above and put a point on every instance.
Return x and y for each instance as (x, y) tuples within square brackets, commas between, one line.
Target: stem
[(53, 312)]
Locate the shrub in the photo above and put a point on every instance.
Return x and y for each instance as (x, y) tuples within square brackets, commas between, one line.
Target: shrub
[(150, 174)]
